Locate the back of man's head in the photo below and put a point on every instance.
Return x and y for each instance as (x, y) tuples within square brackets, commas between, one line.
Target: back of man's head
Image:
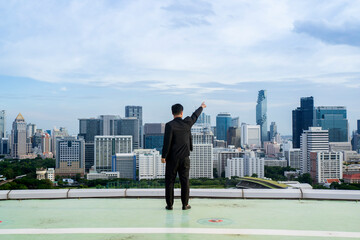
[(177, 109)]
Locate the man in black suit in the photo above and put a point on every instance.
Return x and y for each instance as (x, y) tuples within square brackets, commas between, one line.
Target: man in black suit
[(176, 152)]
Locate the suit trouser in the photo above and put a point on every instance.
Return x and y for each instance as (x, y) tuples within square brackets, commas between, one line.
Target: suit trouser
[(174, 166)]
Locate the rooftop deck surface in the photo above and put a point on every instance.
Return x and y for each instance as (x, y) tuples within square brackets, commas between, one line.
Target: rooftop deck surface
[(144, 218)]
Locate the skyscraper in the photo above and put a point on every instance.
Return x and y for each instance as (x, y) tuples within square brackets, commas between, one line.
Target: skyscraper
[(312, 140), (273, 130), (2, 124), (358, 126), (261, 114), (154, 136), (70, 157), (106, 147), (332, 119), (201, 158), (18, 137), (204, 120), (129, 126), (89, 128), (302, 119), (125, 164), (250, 136), (136, 111), (223, 122)]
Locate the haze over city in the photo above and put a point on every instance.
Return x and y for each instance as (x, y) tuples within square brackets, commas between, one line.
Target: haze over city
[(60, 61)]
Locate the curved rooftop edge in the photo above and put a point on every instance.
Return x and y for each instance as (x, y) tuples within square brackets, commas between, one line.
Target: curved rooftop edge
[(306, 194)]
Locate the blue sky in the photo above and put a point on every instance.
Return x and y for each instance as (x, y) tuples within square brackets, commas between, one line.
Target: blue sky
[(63, 60)]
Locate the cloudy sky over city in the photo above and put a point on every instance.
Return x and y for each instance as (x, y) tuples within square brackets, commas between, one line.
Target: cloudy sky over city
[(64, 60)]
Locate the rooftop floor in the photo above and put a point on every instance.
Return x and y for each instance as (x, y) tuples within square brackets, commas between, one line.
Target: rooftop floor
[(145, 218)]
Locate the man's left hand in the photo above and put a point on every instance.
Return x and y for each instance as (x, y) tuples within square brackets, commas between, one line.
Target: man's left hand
[(163, 160)]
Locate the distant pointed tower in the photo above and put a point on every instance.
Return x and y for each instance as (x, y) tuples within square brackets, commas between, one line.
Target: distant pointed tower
[(18, 137), (261, 115)]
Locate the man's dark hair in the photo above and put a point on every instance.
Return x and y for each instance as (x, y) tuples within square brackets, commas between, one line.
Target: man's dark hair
[(177, 109)]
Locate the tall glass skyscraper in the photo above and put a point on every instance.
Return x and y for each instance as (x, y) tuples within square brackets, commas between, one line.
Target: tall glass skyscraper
[(332, 119), (261, 114), (302, 119), (223, 122), (358, 126), (2, 124)]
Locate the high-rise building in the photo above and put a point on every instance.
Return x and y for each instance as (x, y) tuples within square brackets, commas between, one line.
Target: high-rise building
[(358, 126), (129, 126), (136, 111), (302, 119), (125, 164), (273, 131), (250, 136), (30, 130), (222, 156), (150, 165), (70, 157), (204, 120), (57, 134), (293, 156), (312, 140), (234, 136), (19, 145), (108, 146), (89, 155), (246, 166), (235, 122), (326, 165), (2, 124), (89, 128), (223, 122), (154, 136), (45, 143), (261, 114), (107, 124), (201, 162), (332, 119), (4, 146)]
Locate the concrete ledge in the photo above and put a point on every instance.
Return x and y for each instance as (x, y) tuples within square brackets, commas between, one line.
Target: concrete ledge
[(4, 194), (194, 193), (38, 194), (96, 193), (331, 194), (216, 193), (273, 193)]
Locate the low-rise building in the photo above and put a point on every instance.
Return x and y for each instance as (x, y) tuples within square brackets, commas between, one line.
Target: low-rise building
[(103, 175), (275, 162)]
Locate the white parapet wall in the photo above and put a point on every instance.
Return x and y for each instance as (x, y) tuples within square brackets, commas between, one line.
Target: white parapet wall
[(352, 195)]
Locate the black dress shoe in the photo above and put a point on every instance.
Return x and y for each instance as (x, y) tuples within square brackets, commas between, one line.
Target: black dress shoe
[(169, 208), (187, 207)]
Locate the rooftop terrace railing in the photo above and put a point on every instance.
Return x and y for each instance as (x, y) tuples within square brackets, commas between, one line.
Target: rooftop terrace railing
[(305, 194)]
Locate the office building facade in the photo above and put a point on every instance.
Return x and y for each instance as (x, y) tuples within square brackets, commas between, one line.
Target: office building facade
[(106, 147), (333, 119), (326, 165), (154, 136), (302, 119), (223, 122), (125, 164), (2, 124), (19, 144), (250, 136), (150, 165), (312, 140), (137, 112), (70, 158), (261, 114)]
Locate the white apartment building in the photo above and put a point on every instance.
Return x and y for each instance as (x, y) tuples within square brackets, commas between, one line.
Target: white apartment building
[(246, 166), (201, 158), (107, 146), (250, 136), (326, 165), (312, 140), (150, 165)]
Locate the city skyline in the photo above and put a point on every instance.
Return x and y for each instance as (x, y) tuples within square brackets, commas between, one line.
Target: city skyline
[(61, 61)]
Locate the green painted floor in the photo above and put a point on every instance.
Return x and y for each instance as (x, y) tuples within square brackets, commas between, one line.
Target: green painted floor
[(343, 216)]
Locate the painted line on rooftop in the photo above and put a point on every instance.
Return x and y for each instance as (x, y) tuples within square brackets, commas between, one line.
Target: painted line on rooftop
[(223, 231)]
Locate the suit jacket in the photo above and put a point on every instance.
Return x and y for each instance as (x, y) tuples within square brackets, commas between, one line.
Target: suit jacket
[(177, 138)]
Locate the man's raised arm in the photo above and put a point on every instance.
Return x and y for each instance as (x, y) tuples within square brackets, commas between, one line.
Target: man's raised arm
[(191, 120)]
